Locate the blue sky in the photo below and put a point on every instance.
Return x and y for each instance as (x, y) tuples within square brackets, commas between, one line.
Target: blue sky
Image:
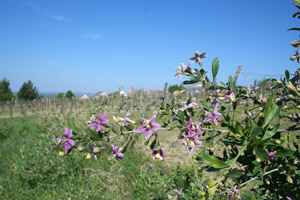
[(96, 45)]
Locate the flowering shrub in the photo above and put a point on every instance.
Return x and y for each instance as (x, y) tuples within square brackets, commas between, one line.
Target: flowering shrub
[(255, 149)]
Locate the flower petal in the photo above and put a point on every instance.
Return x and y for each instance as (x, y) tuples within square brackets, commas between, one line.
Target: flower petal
[(103, 116), (141, 129), (66, 145), (148, 133), (153, 118), (207, 120), (214, 120), (120, 155), (104, 121), (154, 126), (71, 142), (92, 124), (197, 143)]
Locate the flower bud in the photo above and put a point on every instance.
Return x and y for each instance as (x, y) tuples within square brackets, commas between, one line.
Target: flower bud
[(88, 156), (279, 82), (80, 148), (61, 153), (267, 182), (289, 179), (298, 106), (96, 150), (177, 93), (296, 43), (292, 58), (192, 185), (290, 96), (221, 98), (249, 113), (292, 88), (258, 160), (277, 141), (170, 197)]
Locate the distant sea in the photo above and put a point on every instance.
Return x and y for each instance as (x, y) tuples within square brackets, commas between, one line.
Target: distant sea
[(75, 93), (53, 94)]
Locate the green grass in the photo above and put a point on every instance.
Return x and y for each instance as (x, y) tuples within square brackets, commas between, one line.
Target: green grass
[(32, 169)]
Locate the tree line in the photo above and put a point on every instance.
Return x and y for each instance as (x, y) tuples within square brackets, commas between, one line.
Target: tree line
[(27, 92)]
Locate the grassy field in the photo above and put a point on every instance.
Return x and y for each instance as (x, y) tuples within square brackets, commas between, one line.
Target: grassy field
[(32, 169)]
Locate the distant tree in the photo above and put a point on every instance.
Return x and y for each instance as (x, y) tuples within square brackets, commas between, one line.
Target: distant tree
[(69, 94), (5, 91), (60, 95), (173, 88), (28, 92)]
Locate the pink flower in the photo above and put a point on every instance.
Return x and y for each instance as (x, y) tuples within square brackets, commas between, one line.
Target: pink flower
[(191, 141), (229, 95), (198, 57), (158, 154), (271, 154), (100, 121), (67, 141), (233, 193), (213, 116), (116, 151), (148, 127), (181, 68), (184, 107), (193, 128)]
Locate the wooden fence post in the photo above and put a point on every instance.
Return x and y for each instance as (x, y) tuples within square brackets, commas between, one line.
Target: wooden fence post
[(237, 73)]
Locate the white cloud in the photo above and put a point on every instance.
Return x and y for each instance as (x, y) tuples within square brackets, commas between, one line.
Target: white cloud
[(90, 35), (59, 17), (44, 12)]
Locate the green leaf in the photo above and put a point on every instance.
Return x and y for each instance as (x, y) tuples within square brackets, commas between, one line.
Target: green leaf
[(270, 133), (129, 127), (94, 135), (273, 112), (71, 125), (294, 29), (261, 153), (238, 128), (213, 161), (231, 83), (192, 81), (180, 115), (215, 68), (142, 114), (206, 105), (207, 86), (258, 182), (234, 173), (176, 123), (284, 153), (287, 75), (115, 128), (256, 131)]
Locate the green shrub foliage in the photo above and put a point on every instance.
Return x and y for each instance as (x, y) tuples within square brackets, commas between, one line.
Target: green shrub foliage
[(28, 91)]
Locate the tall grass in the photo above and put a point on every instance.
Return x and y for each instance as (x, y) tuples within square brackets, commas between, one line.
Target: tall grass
[(32, 169)]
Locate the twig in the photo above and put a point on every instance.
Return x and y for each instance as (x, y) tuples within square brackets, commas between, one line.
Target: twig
[(269, 172)]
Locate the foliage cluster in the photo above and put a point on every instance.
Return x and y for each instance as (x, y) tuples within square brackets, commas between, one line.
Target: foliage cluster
[(69, 95), (173, 88), (5, 91), (28, 91)]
